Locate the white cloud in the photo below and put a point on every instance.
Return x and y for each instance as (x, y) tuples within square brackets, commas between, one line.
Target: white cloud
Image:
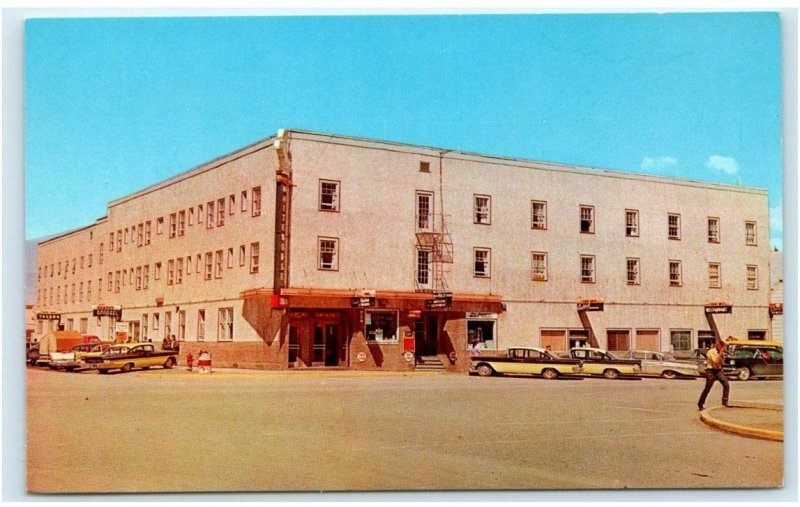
[(722, 164), (776, 219), (658, 163)]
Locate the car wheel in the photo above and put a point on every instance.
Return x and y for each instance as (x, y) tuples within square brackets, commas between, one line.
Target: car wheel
[(484, 370), (549, 374), (169, 363), (102, 372), (612, 374), (126, 368), (69, 368), (744, 374), (669, 374)]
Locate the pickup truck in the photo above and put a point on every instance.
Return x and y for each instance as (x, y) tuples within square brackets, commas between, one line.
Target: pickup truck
[(525, 361), (126, 356), (73, 360), (602, 362)]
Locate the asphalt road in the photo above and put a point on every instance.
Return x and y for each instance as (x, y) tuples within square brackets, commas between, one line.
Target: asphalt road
[(161, 431)]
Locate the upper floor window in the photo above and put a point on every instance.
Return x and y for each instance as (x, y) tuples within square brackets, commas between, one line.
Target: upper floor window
[(424, 167), (157, 271), (140, 235), (179, 270), (482, 264), (752, 277), (119, 240), (539, 266), (199, 213), (632, 271), (231, 204), (159, 225), (714, 275), (191, 216), (424, 211), (254, 257), (482, 209), (218, 264), (538, 215), (181, 222), (713, 230), (256, 204), (423, 271), (147, 232), (675, 279), (210, 215), (328, 195), (587, 269), (208, 266), (631, 223), (750, 233), (170, 272), (220, 212), (673, 226), (173, 225), (587, 219), (243, 201), (328, 256)]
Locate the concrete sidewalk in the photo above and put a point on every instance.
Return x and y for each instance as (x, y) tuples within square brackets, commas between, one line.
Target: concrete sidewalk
[(755, 420), (182, 372)]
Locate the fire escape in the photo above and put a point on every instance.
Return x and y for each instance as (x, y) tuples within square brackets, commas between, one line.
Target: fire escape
[(439, 244)]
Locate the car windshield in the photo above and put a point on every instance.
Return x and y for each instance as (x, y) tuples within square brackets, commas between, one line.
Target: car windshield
[(611, 356), (117, 350)]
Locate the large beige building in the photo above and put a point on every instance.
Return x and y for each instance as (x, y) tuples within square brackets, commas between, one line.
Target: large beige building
[(308, 250)]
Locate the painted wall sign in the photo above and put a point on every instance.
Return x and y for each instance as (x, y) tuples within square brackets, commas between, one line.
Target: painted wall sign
[(362, 302), (361, 357), (48, 316)]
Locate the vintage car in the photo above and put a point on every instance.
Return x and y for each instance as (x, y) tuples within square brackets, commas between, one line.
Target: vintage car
[(73, 360), (746, 359), (31, 353), (602, 362), (126, 356), (661, 364), (698, 357), (525, 361)]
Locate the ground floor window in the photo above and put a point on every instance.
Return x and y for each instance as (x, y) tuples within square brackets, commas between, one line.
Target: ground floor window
[(182, 325), (648, 339), (225, 331), (705, 339), (201, 325), (680, 339), (553, 339), (619, 340), (578, 338), (481, 333), (753, 334), (381, 326), (84, 325), (70, 324), (145, 330)]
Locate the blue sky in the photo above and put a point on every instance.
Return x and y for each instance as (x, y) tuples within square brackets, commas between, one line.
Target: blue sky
[(114, 105)]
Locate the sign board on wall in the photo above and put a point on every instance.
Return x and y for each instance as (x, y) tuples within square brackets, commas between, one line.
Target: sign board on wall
[(48, 316), (362, 302)]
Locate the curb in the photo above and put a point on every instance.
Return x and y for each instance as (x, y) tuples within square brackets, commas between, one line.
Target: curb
[(746, 431), (320, 375)]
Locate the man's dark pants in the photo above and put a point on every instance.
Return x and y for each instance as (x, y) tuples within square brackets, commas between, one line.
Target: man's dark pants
[(713, 375)]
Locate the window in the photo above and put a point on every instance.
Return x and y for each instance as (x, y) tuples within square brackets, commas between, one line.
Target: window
[(199, 213), (116, 281), (328, 256), (328, 195), (423, 275), (198, 263), (70, 324), (110, 282), (230, 257), (631, 223), (126, 236), (381, 326), (256, 207), (145, 330), (140, 235), (482, 209), (147, 232), (167, 324), (675, 279), (188, 265), (181, 222), (231, 204), (538, 215), (587, 268), (673, 226), (80, 292), (750, 233), (218, 264), (752, 277), (89, 291), (138, 278), (89, 261), (424, 167), (181, 325), (179, 270), (84, 325), (254, 257), (72, 294), (119, 240), (713, 230), (587, 219), (705, 339), (220, 212), (424, 211), (156, 320), (539, 266), (191, 216), (170, 272), (243, 201), (81, 261), (207, 275), (100, 254), (619, 340), (201, 325), (146, 276), (157, 271), (633, 271), (225, 332), (173, 225), (159, 225), (210, 215), (482, 266), (242, 255), (714, 277), (680, 340), (756, 334)]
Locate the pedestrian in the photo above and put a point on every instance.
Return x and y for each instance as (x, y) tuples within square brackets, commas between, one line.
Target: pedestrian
[(165, 344), (476, 349), (714, 373), (189, 361)]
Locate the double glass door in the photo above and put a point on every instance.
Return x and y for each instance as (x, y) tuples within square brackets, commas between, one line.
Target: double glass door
[(316, 343)]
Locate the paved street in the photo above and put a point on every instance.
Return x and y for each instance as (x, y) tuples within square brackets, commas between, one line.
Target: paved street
[(169, 431)]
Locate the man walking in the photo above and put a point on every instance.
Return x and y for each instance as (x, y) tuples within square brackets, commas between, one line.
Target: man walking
[(714, 373)]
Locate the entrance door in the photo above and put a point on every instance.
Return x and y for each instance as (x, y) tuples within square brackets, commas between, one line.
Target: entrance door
[(426, 336)]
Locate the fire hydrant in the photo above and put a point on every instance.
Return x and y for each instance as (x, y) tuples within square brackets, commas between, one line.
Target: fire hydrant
[(189, 361)]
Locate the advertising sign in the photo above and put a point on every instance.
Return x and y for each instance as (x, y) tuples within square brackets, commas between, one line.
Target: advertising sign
[(48, 316), (362, 302)]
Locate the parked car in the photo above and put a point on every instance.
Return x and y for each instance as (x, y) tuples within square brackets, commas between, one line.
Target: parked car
[(698, 357), (525, 361), (61, 341), (661, 364), (73, 360), (31, 353), (126, 356), (746, 359), (602, 362)]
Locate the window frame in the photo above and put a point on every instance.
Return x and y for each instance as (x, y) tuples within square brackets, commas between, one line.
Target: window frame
[(255, 201), (677, 235), (755, 276), (638, 271), (488, 262), (634, 233), (680, 273), (533, 215), (225, 326), (708, 230), (335, 252), (418, 194), (594, 268), (545, 277), (254, 258), (747, 241), (718, 276), (592, 219), (336, 204), (477, 213)]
